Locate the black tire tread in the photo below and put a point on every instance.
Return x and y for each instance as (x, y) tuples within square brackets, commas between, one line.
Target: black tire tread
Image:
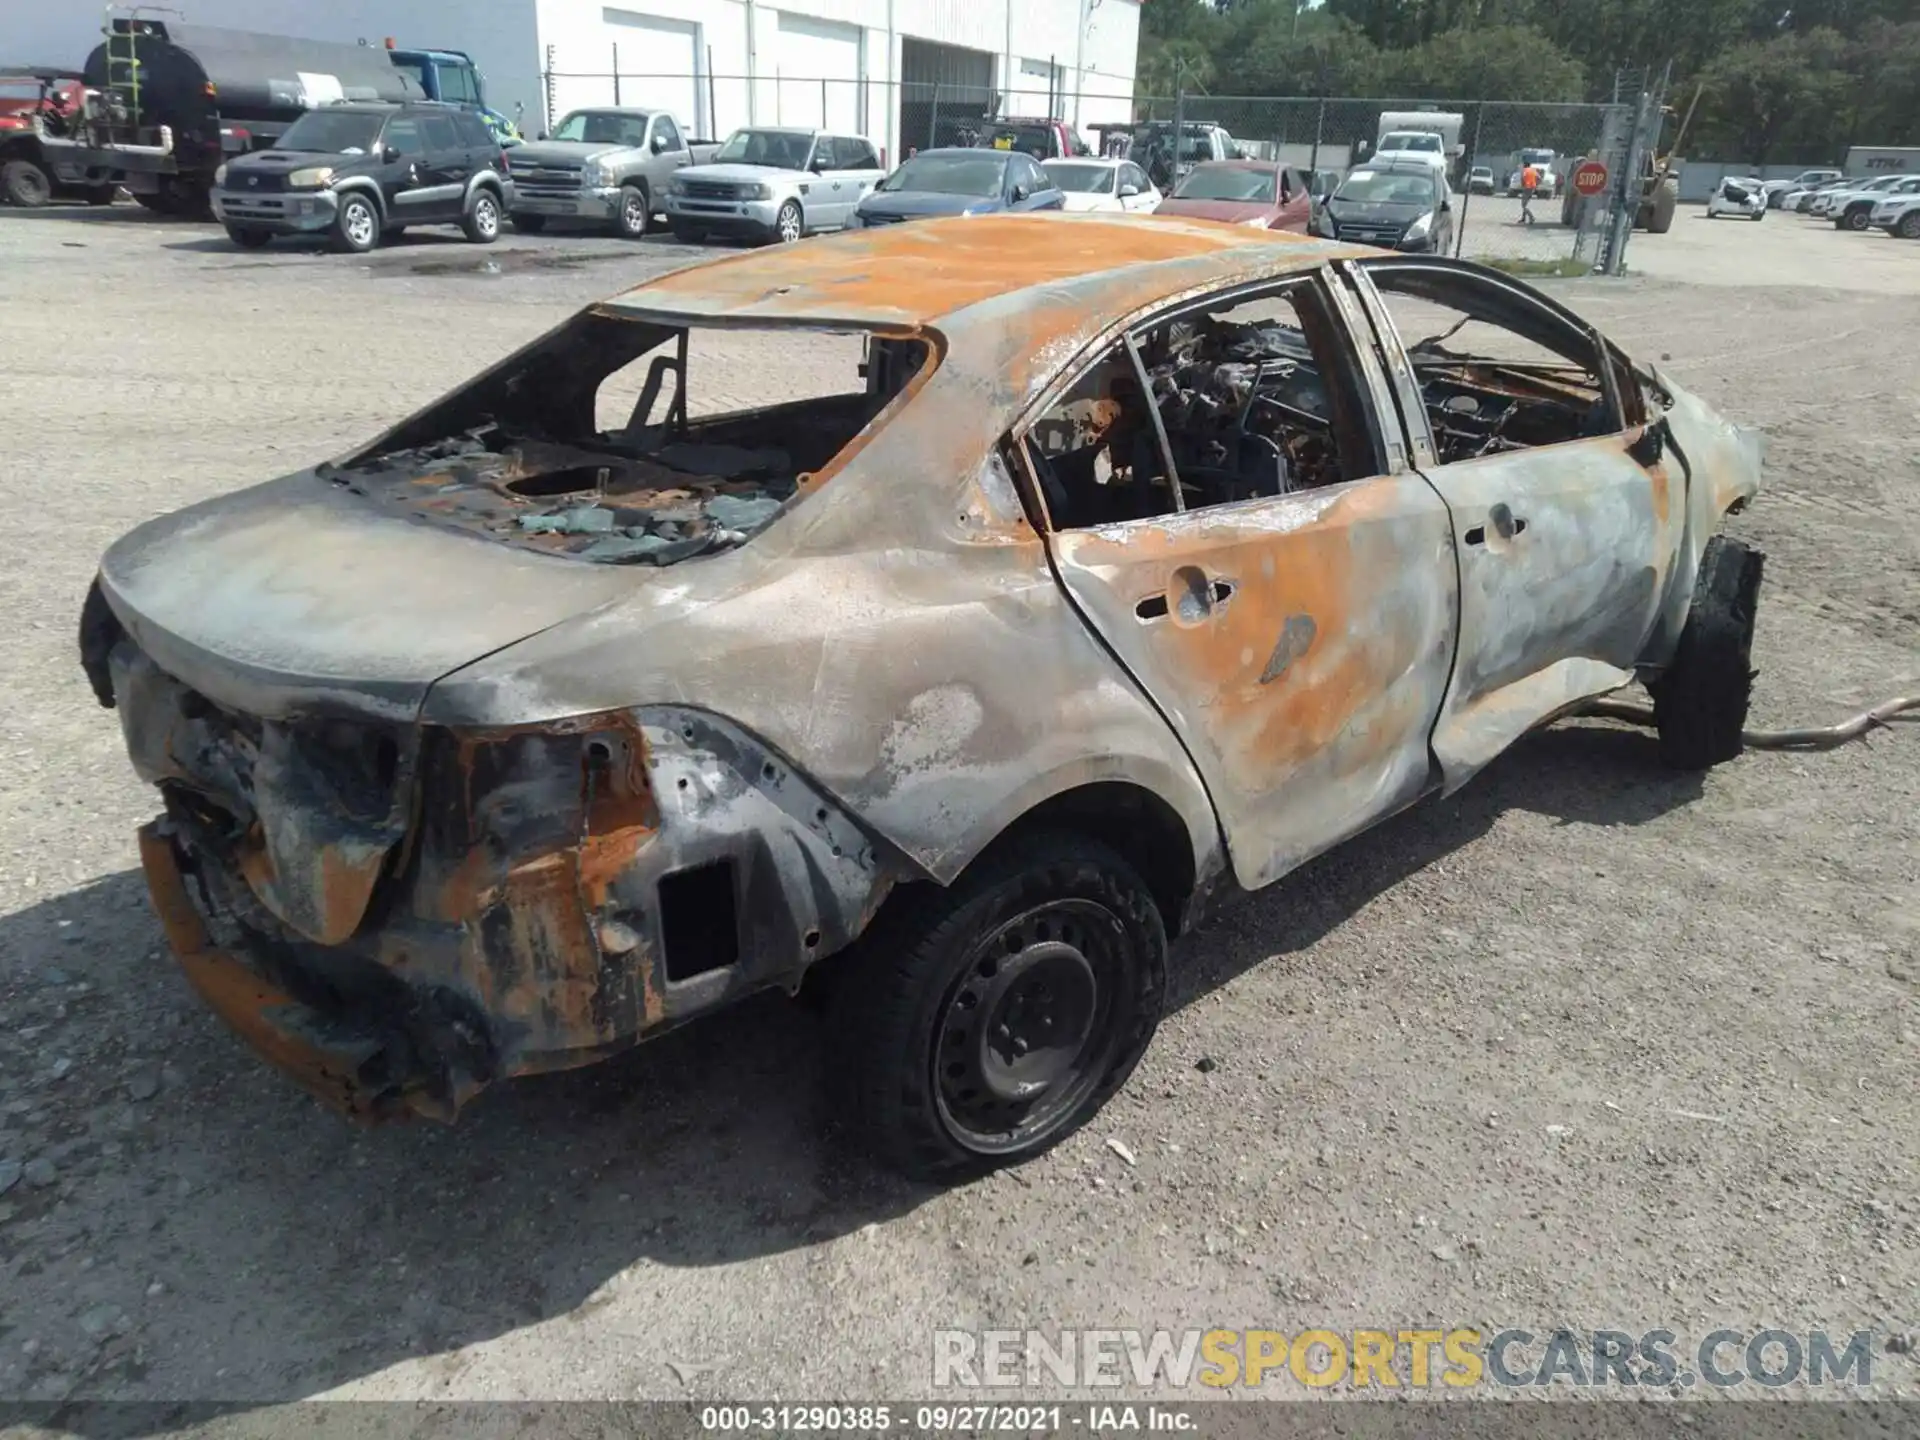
[(1700, 704), (874, 1017)]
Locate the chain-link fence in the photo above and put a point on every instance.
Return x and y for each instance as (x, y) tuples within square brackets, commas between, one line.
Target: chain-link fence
[(1485, 147)]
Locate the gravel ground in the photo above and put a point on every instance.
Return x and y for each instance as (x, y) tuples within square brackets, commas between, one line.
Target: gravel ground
[(1586, 1044)]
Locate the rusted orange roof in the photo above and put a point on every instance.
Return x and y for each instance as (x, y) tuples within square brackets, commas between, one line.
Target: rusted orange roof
[(918, 272)]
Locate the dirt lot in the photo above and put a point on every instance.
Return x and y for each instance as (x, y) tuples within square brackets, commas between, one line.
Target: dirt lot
[(1587, 1044)]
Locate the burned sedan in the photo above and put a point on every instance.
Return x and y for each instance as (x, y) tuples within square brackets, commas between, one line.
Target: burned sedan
[(960, 608)]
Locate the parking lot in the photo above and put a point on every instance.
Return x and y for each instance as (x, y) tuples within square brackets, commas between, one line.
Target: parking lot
[(1588, 1043)]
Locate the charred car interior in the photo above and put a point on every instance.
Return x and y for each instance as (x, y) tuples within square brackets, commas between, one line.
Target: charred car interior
[(1253, 399), (593, 445)]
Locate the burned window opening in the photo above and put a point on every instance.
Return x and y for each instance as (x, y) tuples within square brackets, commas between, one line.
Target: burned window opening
[(1251, 400), (550, 452), (1520, 377), (699, 920)]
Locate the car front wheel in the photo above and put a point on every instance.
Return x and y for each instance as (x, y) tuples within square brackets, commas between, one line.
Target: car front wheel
[(982, 1024), (1908, 226), (1700, 702), (25, 184), (1856, 218), (356, 229), (636, 212), (788, 224)]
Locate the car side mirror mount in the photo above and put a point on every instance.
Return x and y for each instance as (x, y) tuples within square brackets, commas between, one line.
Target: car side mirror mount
[(389, 154), (659, 143), (1445, 205), (1020, 192), (1129, 190)]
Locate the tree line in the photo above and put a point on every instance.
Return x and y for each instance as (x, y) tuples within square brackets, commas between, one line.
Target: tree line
[(1779, 83)]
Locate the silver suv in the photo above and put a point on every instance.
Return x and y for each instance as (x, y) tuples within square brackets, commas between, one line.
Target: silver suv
[(773, 183)]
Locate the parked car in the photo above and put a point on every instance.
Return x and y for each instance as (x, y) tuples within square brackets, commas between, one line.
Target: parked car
[(609, 165), (499, 745), (1737, 196), (1830, 202), (1394, 201), (361, 173), (1776, 191), (1259, 193), (1898, 215), (1480, 180), (1800, 201), (1042, 139), (1853, 209), (1103, 185), (954, 181), (773, 183)]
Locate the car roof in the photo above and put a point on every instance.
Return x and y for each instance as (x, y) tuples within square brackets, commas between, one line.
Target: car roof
[(975, 150), (1112, 162), (1241, 165)]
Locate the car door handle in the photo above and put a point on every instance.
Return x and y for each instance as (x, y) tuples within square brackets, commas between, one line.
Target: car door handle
[(1193, 592), (1505, 526)]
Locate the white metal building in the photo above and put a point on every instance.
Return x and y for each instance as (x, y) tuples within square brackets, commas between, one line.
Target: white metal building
[(717, 64)]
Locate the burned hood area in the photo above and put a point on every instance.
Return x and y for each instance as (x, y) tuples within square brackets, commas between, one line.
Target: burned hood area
[(555, 451)]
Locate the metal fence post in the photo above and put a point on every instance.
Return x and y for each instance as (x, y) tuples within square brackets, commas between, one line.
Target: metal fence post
[(1466, 189), (933, 124), (825, 123), (616, 72), (1179, 128), (1319, 130), (546, 87), (713, 103), (1627, 206)]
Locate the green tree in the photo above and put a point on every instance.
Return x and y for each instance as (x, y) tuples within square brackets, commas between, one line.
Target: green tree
[(1502, 62), (1766, 99)]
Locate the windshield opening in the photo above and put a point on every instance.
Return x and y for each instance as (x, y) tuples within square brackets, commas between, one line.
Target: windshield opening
[(603, 127), (1082, 179), (775, 149), (1411, 140), (1223, 182), (978, 176), (621, 438), (412, 69), (332, 132)]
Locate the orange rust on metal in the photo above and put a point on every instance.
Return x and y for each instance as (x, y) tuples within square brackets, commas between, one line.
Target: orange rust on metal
[(235, 993), (344, 889), (921, 271)]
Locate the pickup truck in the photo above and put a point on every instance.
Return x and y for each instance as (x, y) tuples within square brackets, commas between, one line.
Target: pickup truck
[(1201, 143), (1042, 139), (608, 164)]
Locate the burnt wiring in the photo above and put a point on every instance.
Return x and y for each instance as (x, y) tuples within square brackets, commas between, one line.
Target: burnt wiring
[(1807, 737)]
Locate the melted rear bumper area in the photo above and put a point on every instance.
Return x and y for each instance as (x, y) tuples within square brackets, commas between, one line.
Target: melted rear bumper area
[(399, 916)]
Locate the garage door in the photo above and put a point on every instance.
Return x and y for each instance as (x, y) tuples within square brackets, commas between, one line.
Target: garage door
[(945, 93), (820, 68), (659, 68)]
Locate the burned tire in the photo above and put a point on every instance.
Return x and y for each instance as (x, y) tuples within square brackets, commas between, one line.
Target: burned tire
[(981, 1025), (25, 184), (356, 229), (529, 224), (1700, 703)]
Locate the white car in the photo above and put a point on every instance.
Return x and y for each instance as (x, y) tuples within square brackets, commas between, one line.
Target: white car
[(1898, 215), (1833, 204), (1092, 184), (1776, 190), (1737, 195), (1853, 209)]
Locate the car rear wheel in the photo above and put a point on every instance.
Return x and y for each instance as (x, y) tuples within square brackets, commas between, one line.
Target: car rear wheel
[(481, 223), (530, 224), (982, 1024), (356, 229), (248, 239), (1908, 226), (789, 225), (1700, 703), (635, 217), (25, 184)]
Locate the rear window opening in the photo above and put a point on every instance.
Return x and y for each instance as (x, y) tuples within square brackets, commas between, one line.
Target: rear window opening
[(625, 439)]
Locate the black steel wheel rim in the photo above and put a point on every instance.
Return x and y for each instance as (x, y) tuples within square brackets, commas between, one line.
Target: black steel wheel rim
[(1031, 1023)]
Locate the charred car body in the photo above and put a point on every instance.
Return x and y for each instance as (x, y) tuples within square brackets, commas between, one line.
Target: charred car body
[(1135, 563)]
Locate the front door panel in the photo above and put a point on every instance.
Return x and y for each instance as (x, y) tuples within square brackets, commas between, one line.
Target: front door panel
[(1300, 645)]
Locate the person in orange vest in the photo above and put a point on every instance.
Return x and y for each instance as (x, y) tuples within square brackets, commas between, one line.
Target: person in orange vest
[(1529, 182)]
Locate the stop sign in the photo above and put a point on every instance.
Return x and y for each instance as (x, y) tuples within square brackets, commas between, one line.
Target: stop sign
[(1589, 178)]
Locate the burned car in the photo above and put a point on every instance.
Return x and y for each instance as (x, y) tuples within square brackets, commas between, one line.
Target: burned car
[(1107, 567)]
